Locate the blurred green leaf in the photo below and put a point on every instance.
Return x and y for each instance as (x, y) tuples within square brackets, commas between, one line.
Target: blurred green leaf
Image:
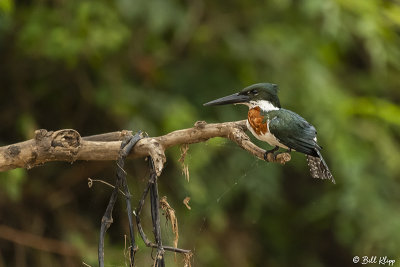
[(376, 108), (94, 32), (6, 6), (11, 183)]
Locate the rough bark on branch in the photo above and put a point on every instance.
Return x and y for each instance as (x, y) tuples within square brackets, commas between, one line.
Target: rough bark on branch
[(68, 145)]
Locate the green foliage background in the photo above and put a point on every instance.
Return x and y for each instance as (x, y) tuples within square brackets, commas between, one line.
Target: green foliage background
[(100, 66)]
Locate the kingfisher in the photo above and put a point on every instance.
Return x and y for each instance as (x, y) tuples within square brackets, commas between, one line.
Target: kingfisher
[(279, 127)]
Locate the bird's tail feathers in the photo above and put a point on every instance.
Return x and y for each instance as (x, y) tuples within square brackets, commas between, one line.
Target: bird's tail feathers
[(319, 168)]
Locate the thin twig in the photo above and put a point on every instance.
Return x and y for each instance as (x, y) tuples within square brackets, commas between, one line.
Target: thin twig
[(125, 152), (137, 213), (155, 216), (126, 147), (106, 221), (90, 184), (37, 242)]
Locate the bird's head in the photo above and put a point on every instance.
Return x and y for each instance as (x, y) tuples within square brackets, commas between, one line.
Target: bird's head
[(263, 95)]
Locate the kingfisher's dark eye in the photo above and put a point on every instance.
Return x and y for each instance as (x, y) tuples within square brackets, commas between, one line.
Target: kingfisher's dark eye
[(254, 92)]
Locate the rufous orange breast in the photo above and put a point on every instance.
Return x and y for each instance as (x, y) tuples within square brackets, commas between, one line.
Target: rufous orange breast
[(256, 121)]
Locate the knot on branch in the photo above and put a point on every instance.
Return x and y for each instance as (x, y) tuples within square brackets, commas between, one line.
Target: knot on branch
[(280, 158), (66, 139), (42, 134), (154, 148), (65, 142), (200, 124), (107, 221)]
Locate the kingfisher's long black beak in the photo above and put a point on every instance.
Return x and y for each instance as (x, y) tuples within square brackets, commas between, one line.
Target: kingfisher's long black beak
[(230, 99)]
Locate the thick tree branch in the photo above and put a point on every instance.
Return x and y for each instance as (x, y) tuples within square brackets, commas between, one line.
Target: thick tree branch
[(68, 145)]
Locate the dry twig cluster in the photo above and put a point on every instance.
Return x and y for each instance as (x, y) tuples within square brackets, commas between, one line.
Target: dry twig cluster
[(68, 145)]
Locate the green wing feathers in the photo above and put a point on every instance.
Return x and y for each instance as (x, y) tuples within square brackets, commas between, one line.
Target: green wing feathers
[(293, 131), (296, 133)]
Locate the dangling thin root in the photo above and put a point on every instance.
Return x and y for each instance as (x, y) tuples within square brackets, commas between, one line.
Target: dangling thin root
[(186, 202), (185, 167), (170, 216), (187, 259)]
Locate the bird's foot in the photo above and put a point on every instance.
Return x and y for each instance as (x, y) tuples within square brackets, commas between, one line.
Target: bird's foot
[(271, 151)]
